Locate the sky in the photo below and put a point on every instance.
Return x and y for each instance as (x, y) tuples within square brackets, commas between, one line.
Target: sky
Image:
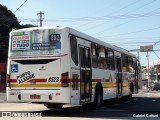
[(128, 24)]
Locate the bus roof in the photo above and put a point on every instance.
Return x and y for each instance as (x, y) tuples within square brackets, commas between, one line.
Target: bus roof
[(82, 35)]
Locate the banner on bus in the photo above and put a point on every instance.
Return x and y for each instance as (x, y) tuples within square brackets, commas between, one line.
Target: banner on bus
[(21, 42), (35, 42)]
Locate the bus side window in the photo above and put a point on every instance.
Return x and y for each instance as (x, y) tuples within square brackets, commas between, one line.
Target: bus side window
[(73, 45), (131, 65), (102, 64), (94, 57), (124, 63), (111, 64)]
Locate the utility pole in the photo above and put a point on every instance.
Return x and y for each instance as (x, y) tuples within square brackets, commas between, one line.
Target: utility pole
[(40, 18), (148, 68), (147, 49)]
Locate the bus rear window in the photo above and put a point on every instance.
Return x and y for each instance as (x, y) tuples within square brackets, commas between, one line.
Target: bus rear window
[(35, 42)]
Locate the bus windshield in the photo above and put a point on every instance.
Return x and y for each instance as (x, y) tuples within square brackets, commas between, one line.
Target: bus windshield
[(35, 42)]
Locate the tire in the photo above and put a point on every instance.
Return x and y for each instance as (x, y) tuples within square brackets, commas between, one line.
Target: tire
[(132, 88), (56, 106), (98, 98)]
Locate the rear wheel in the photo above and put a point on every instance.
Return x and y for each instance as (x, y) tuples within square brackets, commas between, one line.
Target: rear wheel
[(132, 88), (56, 106), (98, 98)]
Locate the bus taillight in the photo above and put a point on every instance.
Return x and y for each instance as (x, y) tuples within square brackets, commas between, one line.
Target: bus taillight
[(64, 80), (65, 84), (8, 80)]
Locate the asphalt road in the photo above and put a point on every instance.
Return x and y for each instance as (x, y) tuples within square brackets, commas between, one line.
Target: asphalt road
[(143, 105)]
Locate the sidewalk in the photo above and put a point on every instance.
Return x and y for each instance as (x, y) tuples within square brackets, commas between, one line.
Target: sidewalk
[(143, 90), (3, 97)]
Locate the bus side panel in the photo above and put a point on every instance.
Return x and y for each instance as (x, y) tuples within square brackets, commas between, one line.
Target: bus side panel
[(107, 78)]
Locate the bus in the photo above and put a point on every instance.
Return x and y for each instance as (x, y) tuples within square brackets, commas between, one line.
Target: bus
[(56, 66)]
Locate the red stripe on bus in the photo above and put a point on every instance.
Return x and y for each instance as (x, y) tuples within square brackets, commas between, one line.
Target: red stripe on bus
[(13, 80), (70, 80), (38, 80), (62, 80), (78, 80), (33, 80)]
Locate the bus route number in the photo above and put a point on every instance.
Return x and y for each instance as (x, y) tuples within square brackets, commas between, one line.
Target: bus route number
[(55, 37), (53, 79)]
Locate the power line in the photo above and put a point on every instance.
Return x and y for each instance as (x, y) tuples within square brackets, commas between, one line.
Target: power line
[(132, 32), (8, 19), (20, 6), (93, 27), (114, 11), (117, 11), (156, 54), (96, 18), (125, 22)]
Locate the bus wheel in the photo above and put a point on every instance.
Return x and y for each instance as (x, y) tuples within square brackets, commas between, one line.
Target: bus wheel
[(98, 98), (129, 97), (56, 106), (132, 88)]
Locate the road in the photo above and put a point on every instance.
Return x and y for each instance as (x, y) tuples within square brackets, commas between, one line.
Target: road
[(144, 103)]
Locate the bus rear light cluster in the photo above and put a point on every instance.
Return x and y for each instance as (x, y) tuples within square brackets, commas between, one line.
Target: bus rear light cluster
[(58, 94), (8, 80), (64, 80), (65, 83)]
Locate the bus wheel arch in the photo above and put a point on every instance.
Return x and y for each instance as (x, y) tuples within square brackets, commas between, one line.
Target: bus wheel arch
[(98, 99)]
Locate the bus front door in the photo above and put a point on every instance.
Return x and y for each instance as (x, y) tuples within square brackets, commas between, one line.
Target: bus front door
[(119, 76), (85, 74)]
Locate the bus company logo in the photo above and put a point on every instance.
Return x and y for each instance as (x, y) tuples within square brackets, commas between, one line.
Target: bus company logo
[(14, 68), (42, 68)]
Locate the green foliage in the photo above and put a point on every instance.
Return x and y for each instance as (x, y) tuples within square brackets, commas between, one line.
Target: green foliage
[(27, 26), (8, 21)]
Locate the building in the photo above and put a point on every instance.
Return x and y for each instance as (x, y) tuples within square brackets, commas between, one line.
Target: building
[(154, 73), (3, 75)]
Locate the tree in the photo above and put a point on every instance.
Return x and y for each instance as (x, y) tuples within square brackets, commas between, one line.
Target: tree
[(27, 26), (8, 21)]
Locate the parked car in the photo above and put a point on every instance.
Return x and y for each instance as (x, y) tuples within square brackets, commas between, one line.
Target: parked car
[(155, 86)]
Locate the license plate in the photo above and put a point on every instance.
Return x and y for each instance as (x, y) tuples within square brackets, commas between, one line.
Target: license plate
[(34, 96)]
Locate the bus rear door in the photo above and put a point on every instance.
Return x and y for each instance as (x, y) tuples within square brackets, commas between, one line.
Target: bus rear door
[(119, 80), (85, 74)]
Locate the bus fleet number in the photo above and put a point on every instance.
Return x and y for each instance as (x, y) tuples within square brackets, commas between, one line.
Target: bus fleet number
[(53, 79)]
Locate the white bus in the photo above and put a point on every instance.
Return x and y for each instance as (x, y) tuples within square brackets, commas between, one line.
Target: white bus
[(59, 65)]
